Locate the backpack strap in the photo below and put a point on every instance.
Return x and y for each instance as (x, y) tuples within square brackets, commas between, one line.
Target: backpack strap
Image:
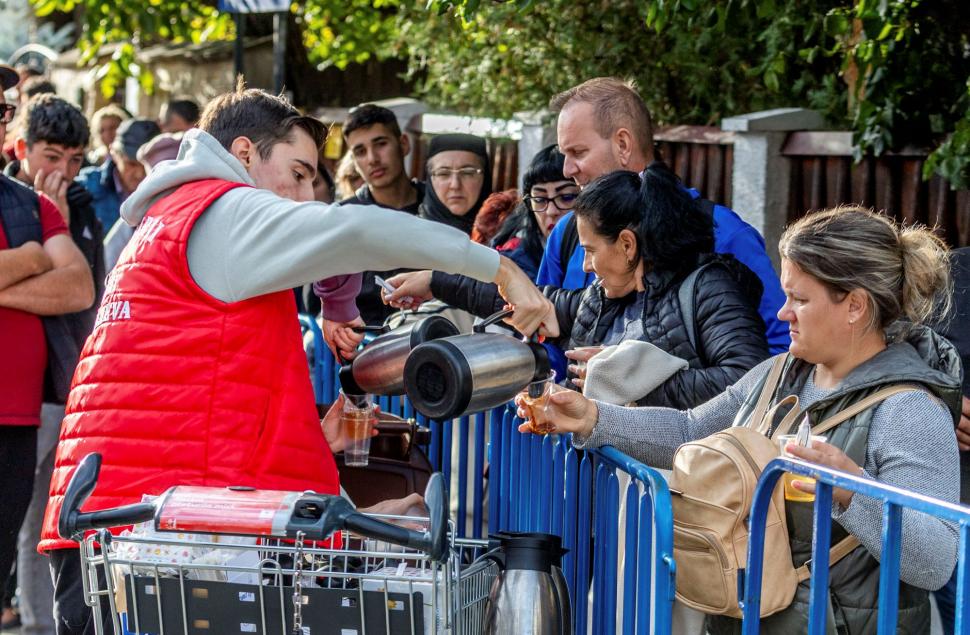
[(570, 238), (864, 404), (838, 551), (767, 391), (686, 297)]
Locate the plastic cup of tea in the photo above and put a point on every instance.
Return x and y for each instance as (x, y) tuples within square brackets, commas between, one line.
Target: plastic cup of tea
[(355, 419), (792, 494), (535, 398)]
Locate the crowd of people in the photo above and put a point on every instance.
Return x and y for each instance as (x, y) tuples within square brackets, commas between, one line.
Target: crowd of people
[(151, 273)]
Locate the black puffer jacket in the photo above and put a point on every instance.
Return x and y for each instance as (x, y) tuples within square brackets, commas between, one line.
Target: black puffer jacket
[(729, 331)]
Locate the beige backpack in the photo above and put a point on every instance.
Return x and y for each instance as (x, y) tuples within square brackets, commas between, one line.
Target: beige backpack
[(712, 487)]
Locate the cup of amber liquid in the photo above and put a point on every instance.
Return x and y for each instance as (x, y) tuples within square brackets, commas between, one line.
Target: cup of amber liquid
[(356, 420), (534, 399), (792, 494)]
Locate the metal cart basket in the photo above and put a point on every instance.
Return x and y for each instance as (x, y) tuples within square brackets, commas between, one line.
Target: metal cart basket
[(158, 581)]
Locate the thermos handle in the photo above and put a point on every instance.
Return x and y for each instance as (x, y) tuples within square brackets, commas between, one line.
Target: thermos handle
[(535, 338), (496, 555), (492, 319)]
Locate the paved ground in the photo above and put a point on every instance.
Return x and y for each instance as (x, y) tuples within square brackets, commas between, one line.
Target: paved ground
[(936, 630)]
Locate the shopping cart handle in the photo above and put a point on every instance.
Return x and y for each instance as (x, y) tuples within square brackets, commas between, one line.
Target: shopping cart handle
[(317, 516), (72, 522)]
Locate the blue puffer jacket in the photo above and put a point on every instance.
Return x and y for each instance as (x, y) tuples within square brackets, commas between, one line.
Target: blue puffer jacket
[(100, 182)]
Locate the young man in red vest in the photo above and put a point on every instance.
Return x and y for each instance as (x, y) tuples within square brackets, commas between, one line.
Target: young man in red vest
[(195, 373)]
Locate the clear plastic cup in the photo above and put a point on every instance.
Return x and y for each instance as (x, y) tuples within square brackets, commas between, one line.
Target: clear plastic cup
[(356, 421), (792, 494), (534, 399)]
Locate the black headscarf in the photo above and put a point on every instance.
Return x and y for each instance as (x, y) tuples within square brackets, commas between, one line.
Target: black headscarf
[(432, 208)]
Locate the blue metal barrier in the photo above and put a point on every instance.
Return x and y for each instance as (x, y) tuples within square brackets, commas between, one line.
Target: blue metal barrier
[(894, 500), (546, 485), (323, 368), (542, 483)]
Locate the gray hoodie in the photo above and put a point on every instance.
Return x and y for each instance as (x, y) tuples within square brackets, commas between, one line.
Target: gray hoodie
[(251, 242)]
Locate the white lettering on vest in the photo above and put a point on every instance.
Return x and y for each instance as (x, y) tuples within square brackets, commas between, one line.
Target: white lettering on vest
[(111, 283), (113, 311), (147, 231)]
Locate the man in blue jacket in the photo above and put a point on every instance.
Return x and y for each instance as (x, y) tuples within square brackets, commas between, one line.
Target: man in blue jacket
[(604, 126), (112, 182)]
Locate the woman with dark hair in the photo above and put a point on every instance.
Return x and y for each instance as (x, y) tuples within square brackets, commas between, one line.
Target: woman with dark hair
[(643, 240), (548, 197)]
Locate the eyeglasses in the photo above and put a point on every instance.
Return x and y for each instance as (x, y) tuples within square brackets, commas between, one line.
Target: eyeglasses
[(463, 174), (564, 202), (7, 111)]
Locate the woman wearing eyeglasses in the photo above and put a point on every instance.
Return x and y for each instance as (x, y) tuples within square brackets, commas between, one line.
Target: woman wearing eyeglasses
[(548, 196), (642, 240), (458, 181)]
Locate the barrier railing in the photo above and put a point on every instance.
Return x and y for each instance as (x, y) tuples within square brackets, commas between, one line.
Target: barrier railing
[(543, 484), (894, 500), (546, 485)]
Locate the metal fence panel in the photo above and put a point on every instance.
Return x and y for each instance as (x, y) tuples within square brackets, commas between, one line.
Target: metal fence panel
[(894, 500)]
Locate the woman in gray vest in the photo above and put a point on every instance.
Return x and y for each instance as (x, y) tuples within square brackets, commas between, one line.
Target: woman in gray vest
[(859, 289)]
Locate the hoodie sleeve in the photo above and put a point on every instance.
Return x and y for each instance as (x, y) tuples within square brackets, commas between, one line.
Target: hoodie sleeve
[(252, 242), (338, 297)]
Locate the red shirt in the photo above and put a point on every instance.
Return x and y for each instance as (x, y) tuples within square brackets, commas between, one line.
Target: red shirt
[(24, 347)]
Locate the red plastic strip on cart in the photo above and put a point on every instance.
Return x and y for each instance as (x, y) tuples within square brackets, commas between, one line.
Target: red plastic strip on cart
[(214, 510)]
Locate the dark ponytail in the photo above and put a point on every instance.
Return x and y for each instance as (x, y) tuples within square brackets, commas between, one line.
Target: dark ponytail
[(671, 228)]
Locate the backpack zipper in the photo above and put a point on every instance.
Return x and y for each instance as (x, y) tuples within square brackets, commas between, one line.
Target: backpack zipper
[(744, 452)]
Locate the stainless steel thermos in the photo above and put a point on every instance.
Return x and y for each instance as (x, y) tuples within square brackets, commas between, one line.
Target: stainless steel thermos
[(379, 368), (529, 596), (462, 374)]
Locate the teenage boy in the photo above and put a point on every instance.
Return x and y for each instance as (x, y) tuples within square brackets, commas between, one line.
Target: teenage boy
[(378, 148), (50, 151)]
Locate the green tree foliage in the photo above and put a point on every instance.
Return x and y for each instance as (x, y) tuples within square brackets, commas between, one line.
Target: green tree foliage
[(134, 25), (897, 72), (337, 32)]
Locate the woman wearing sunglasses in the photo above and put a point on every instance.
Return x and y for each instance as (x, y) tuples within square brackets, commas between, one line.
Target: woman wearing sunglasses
[(548, 197)]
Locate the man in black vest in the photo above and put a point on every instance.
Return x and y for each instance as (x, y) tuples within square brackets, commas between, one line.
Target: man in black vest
[(50, 150), (42, 274)]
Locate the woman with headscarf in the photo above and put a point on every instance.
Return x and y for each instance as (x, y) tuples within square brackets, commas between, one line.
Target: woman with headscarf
[(459, 179)]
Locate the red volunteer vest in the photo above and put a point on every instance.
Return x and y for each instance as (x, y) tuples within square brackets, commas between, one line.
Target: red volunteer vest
[(175, 387)]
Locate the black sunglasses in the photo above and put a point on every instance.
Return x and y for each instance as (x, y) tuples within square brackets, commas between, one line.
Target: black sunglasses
[(562, 201)]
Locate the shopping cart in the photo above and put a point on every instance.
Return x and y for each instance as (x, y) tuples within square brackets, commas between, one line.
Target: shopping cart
[(213, 561)]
